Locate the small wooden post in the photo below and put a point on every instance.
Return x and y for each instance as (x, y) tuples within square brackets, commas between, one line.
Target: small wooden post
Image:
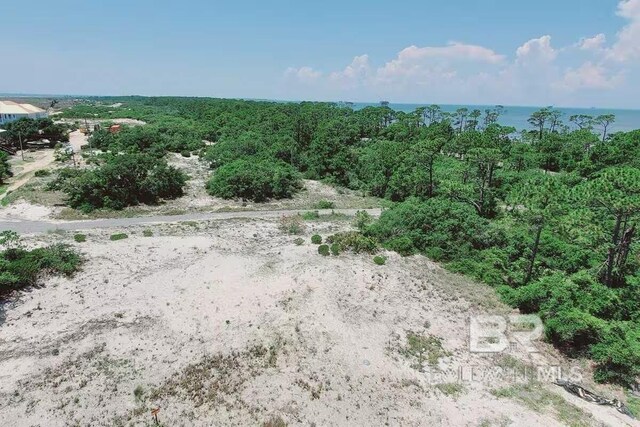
[(154, 413)]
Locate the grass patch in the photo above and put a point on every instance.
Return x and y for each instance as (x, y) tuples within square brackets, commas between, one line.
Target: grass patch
[(324, 204), (424, 349), (311, 215), (147, 233), (633, 403), (316, 239), (118, 236), (536, 397), (451, 389), (299, 241), (292, 224), (80, 238)]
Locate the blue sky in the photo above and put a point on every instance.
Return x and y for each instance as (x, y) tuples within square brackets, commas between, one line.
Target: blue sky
[(560, 52)]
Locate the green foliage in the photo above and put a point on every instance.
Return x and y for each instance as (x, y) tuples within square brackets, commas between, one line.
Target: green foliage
[(316, 239), (362, 220), (323, 250), (335, 249), (20, 268), (80, 238), (118, 236), (379, 260), (147, 233), (353, 241), (5, 169), (299, 241), (42, 172), (311, 215), (185, 153), (257, 180), (324, 204), (121, 181)]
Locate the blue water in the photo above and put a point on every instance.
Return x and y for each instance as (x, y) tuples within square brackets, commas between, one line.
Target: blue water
[(516, 117)]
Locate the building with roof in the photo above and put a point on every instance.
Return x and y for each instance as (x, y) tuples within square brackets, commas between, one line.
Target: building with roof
[(10, 111)]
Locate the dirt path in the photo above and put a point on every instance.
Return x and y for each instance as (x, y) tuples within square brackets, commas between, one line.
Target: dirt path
[(28, 227), (42, 159)]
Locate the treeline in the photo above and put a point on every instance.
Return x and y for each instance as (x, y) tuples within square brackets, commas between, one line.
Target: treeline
[(547, 216)]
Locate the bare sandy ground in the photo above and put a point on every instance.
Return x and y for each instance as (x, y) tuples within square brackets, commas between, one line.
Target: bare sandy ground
[(229, 323)]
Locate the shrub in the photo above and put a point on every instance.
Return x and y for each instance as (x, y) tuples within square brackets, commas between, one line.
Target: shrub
[(335, 249), (147, 233), (125, 180), (299, 241), (118, 236), (254, 179), (42, 172), (80, 238), (20, 268), (186, 153), (362, 220), (292, 224), (354, 241), (316, 239), (379, 260), (323, 250), (311, 215), (324, 204)]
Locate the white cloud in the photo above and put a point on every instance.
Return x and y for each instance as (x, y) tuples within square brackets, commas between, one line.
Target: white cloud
[(354, 74), (303, 74), (592, 43), (536, 51), (590, 76), (536, 72), (627, 45)]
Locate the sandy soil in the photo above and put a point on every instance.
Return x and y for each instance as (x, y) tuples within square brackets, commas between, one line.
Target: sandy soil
[(229, 323), (23, 170)]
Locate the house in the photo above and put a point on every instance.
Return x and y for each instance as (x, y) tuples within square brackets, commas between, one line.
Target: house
[(10, 111)]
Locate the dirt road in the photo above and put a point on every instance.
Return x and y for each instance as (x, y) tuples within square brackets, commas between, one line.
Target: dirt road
[(28, 227)]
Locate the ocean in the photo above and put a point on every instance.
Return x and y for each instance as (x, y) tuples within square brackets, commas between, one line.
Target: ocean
[(626, 120)]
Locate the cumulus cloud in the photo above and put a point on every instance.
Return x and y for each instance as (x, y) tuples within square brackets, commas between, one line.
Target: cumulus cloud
[(536, 72), (303, 74), (627, 45), (596, 42), (590, 76)]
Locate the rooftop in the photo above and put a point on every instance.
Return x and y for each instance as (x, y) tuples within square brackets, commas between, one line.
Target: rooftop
[(10, 107)]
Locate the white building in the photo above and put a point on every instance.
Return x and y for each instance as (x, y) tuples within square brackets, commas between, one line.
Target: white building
[(10, 111)]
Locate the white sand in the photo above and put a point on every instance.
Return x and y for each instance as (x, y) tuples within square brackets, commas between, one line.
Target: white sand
[(271, 329)]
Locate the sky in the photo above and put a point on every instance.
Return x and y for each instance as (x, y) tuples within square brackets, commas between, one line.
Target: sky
[(567, 53)]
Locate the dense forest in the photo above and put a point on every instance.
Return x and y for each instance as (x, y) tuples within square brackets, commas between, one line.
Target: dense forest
[(546, 216)]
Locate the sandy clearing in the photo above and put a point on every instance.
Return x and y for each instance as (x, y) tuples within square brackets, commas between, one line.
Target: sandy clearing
[(229, 323), (24, 170)]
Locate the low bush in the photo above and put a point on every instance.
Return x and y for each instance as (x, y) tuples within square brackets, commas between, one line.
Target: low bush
[(299, 241), (20, 268), (292, 224), (324, 204), (254, 179), (311, 215), (118, 236), (379, 260), (80, 238), (42, 172), (316, 239), (186, 153), (323, 250), (147, 233), (335, 249), (353, 241), (362, 220)]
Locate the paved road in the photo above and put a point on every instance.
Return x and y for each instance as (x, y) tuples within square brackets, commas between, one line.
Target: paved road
[(28, 227)]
